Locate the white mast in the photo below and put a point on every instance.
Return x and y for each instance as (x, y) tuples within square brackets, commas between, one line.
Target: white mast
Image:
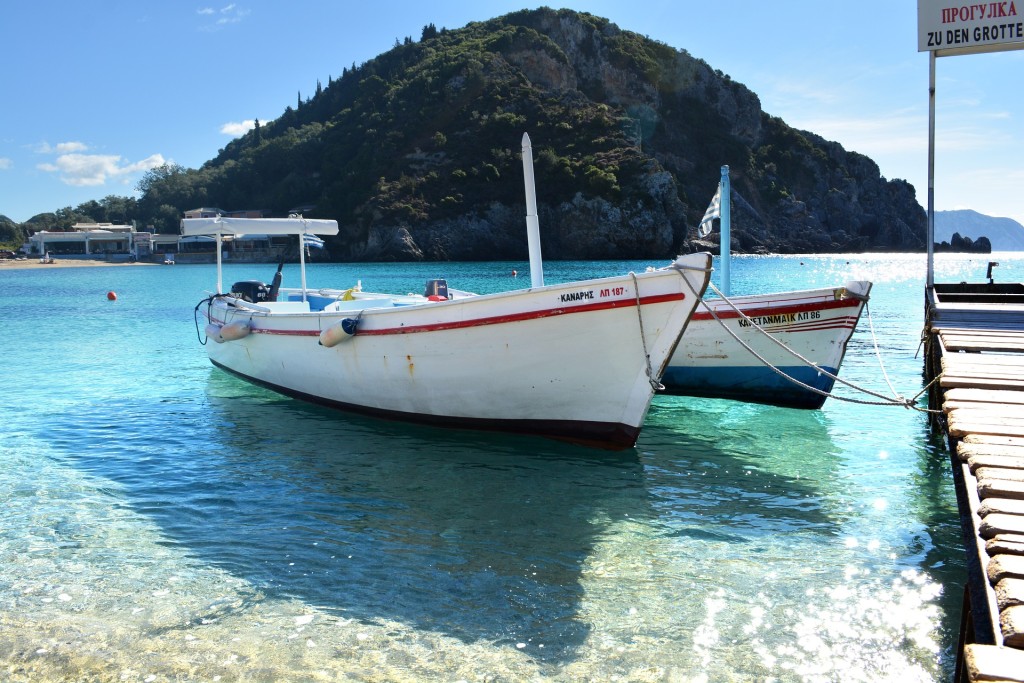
[(532, 221)]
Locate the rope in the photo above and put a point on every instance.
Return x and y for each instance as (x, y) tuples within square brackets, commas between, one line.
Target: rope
[(195, 316), (209, 304), (655, 384), (878, 352), (896, 400)]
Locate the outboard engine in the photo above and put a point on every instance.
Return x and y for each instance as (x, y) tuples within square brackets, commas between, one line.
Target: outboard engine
[(252, 291), (275, 284), (437, 290)]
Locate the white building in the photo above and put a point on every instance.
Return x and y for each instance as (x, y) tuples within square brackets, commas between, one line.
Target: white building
[(85, 238)]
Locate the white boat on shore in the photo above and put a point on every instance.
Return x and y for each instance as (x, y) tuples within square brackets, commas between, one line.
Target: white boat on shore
[(577, 361), (768, 348)]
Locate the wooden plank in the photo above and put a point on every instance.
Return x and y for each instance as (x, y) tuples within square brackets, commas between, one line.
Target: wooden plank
[(1004, 413), (1005, 566), (1011, 378), (1004, 345), (1000, 546), (992, 417), (1009, 414), (999, 523), (1011, 621), (982, 360), (986, 370), (1010, 375), (1010, 410), (985, 396), (998, 339), (1010, 593), (950, 336), (955, 381), (960, 428), (1009, 506), (973, 445), (973, 363), (1005, 473), (980, 331), (980, 345), (988, 439), (993, 663), (1000, 488), (1008, 462)]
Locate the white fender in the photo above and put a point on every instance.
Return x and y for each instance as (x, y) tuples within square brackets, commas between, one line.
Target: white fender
[(226, 333), (343, 330)]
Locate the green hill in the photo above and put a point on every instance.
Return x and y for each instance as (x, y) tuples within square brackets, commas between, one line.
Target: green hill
[(416, 153)]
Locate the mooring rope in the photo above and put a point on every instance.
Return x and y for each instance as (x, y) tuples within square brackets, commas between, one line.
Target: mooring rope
[(896, 400), (655, 384)]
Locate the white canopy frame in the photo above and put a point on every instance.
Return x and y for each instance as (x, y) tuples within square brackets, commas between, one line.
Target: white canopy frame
[(222, 225)]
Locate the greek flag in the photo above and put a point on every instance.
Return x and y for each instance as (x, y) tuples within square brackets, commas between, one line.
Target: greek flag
[(312, 241), (704, 229)]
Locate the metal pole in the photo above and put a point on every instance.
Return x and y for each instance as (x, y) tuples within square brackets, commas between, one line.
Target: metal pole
[(220, 285), (302, 257), (930, 282), (532, 221), (725, 218)]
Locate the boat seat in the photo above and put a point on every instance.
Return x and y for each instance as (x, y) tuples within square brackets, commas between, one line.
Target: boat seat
[(285, 306), (357, 304)]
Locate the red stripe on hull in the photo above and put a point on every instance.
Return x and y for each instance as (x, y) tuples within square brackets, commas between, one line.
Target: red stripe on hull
[(728, 313)]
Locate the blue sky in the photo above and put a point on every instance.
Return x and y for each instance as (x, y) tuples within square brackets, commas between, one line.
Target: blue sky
[(96, 93)]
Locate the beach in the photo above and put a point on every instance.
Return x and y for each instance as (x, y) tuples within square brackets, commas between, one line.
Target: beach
[(21, 264)]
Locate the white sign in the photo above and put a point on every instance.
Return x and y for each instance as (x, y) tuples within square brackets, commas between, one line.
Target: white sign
[(954, 26)]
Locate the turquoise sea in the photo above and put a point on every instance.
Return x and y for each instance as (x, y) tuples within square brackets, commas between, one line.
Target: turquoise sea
[(162, 521)]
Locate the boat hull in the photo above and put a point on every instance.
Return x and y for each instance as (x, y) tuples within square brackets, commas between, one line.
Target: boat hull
[(564, 361), (816, 324)]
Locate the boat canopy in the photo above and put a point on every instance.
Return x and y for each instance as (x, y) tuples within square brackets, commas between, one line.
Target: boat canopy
[(222, 225)]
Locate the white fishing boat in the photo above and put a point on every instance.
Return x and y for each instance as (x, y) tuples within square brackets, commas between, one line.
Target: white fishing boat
[(578, 361), (783, 348)]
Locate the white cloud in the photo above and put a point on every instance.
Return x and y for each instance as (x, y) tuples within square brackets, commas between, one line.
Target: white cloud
[(70, 147), (81, 170), (60, 148), (229, 14), (6, 163), (234, 128)]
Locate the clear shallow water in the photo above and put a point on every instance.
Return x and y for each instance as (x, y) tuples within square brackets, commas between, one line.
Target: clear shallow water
[(163, 521)]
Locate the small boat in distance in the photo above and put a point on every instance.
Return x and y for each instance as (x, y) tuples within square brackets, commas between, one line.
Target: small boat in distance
[(578, 361), (815, 325)]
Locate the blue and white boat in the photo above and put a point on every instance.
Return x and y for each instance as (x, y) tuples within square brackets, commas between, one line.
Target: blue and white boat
[(780, 349)]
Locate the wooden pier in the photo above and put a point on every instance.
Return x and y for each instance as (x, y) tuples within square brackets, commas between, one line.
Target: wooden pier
[(975, 355)]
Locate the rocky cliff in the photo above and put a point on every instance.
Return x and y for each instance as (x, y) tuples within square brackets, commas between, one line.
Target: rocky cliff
[(416, 153)]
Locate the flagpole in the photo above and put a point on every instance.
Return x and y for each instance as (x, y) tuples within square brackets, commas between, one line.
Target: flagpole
[(930, 245), (725, 244)]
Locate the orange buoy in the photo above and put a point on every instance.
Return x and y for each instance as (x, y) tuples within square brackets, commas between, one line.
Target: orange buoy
[(112, 296)]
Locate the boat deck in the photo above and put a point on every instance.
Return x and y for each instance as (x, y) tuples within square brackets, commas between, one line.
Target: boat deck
[(976, 355)]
